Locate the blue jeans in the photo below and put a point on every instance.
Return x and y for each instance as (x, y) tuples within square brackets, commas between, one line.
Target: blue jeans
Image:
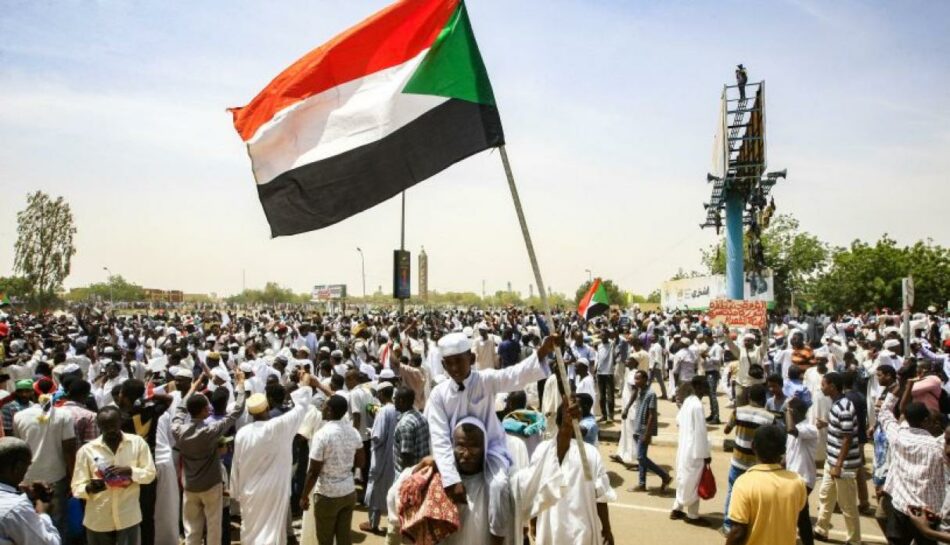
[(712, 380), (646, 464), (734, 473), (657, 374)]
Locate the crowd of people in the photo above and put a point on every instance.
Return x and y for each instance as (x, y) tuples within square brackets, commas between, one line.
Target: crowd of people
[(455, 426)]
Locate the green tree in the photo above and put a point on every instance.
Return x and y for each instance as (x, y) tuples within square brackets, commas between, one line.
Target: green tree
[(654, 297), (44, 246), (273, 293), (615, 295), (117, 289), (795, 257), (15, 287), (868, 276)]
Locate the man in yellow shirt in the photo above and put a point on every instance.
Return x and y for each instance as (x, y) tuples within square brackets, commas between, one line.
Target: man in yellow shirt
[(109, 471), (766, 499)]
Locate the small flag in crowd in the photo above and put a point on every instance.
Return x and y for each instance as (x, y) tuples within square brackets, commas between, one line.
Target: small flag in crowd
[(595, 302), (384, 105)]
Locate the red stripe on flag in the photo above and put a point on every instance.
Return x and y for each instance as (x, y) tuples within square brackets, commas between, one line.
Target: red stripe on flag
[(388, 38), (585, 302)]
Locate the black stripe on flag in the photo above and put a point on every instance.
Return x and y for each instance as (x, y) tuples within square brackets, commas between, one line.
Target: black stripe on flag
[(325, 192)]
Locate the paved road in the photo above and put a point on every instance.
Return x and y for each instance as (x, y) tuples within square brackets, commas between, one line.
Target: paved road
[(644, 517)]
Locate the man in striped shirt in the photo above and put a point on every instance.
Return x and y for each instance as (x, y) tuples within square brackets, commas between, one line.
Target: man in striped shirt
[(838, 483), (917, 478), (746, 419)]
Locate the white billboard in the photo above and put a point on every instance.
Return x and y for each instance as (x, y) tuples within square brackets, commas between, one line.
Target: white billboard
[(328, 292), (696, 293)]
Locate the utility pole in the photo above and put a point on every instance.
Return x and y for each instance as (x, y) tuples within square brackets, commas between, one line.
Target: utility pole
[(363, 269)]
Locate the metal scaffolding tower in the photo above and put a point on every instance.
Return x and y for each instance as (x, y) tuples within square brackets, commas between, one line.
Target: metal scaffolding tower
[(741, 188)]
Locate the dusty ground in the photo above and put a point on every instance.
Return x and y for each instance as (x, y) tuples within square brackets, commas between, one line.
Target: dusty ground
[(644, 517)]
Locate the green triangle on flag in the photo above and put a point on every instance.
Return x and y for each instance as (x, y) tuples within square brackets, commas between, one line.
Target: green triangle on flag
[(595, 302), (453, 67)]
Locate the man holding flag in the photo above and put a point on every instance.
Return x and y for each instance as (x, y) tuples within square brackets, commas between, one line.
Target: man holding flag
[(379, 108)]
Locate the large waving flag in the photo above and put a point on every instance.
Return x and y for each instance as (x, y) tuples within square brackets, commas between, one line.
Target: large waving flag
[(377, 109), (595, 302)]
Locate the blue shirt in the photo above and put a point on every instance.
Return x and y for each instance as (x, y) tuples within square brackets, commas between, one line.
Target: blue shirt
[(509, 352), (589, 430), (793, 388)]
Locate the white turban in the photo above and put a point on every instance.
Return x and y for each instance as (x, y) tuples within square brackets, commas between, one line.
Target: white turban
[(454, 344)]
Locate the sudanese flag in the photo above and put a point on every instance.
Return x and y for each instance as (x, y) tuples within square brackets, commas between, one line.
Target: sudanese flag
[(377, 109), (595, 302)]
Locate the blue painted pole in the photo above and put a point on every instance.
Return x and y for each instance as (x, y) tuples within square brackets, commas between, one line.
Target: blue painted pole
[(735, 277)]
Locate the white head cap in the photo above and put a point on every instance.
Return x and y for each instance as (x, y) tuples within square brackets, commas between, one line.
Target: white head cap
[(454, 344), (891, 343)]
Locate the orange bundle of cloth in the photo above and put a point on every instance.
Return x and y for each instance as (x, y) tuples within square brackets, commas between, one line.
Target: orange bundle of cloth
[(426, 514), (803, 357)]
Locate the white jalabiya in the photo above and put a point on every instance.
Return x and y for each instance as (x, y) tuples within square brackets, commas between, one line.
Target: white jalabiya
[(560, 497), (260, 473), (819, 410), (473, 514), (449, 404), (692, 450), (550, 401), (167, 498), (627, 447), (519, 452), (308, 524)]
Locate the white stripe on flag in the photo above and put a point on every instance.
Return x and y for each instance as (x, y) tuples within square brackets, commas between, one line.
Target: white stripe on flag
[(338, 120)]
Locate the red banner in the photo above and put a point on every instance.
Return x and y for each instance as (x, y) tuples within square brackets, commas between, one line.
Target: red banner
[(739, 313)]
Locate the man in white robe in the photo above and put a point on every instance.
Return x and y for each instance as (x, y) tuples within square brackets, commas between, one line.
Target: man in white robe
[(470, 392), (567, 507), (627, 446), (470, 460), (260, 471), (167, 493), (692, 454)]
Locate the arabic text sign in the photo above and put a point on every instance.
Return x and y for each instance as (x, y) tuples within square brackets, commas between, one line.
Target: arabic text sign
[(739, 313), (330, 292)]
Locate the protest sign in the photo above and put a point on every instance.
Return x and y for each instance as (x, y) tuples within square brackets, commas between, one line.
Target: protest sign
[(738, 313)]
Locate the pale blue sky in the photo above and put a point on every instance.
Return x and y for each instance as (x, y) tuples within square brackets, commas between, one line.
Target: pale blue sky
[(609, 110)]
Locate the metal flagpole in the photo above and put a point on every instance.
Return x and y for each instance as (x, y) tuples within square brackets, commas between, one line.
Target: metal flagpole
[(402, 246), (542, 293)]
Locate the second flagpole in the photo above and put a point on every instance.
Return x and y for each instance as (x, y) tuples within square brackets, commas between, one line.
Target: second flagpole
[(542, 292)]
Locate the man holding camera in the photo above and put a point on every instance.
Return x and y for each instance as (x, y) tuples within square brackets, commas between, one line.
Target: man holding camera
[(22, 521)]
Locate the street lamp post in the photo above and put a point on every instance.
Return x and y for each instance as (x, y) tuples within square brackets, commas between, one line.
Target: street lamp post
[(363, 270), (111, 300), (590, 277)]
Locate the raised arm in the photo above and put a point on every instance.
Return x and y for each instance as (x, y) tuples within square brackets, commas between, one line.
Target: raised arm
[(516, 377)]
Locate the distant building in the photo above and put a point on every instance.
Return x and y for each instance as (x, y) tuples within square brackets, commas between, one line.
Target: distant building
[(163, 296), (423, 275)]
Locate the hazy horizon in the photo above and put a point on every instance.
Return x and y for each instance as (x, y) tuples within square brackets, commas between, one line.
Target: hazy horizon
[(609, 110)]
